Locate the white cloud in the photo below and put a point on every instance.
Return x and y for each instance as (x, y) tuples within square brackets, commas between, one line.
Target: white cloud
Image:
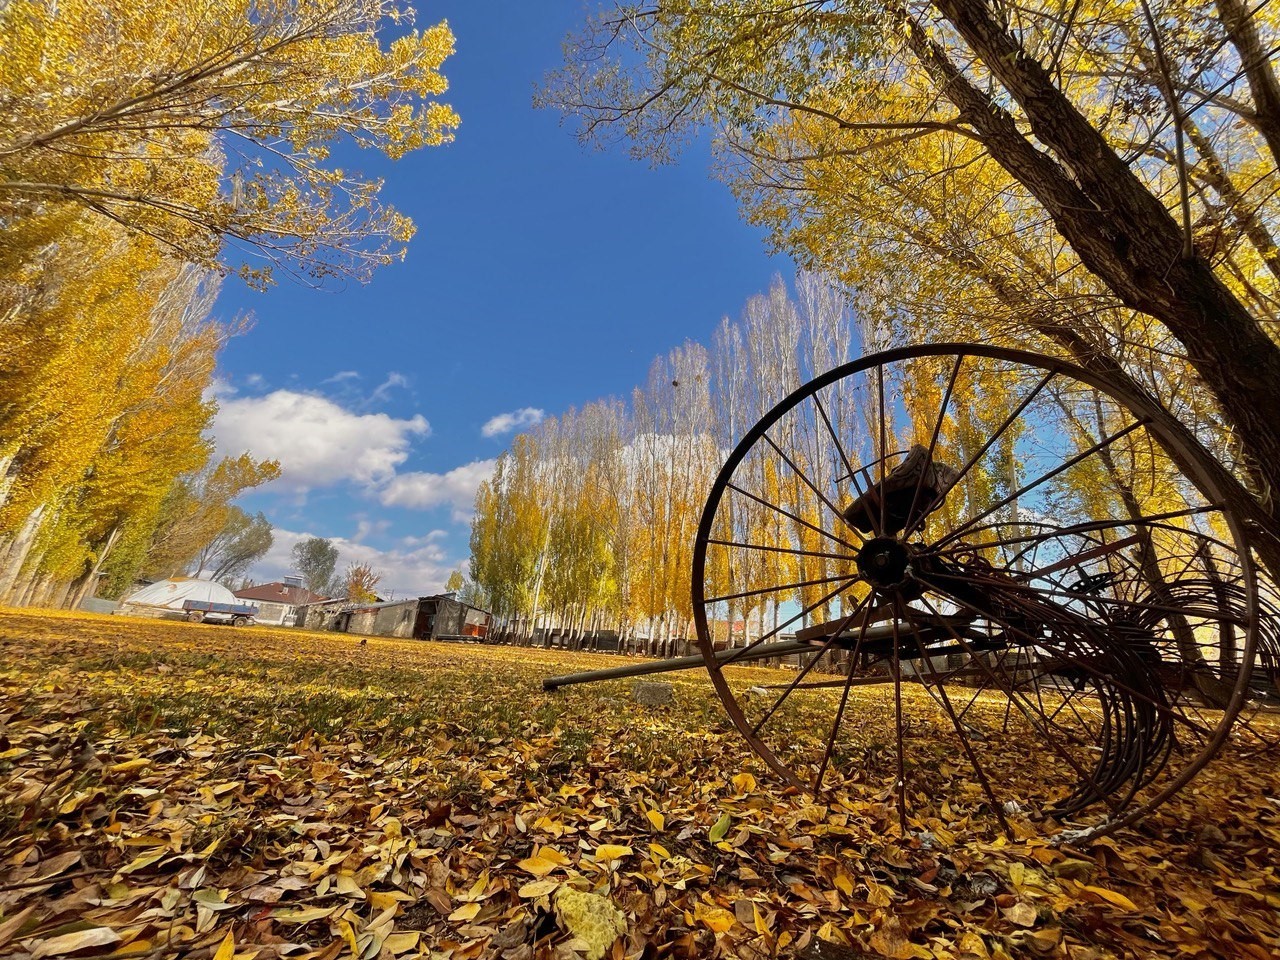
[(419, 567), (343, 375), (506, 422), (317, 442), (383, 390), (422, 491)]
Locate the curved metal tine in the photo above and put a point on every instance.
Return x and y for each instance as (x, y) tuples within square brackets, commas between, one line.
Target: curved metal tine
[(1043, 478), (712, 541), (1093, 526), (884, 451), (808, 483), (790, 516), (1025, 709), (943, 700), (913, 522), (999, 432), (844, 699), (1013, 590), (780, 627), (900, 788), (862, 605), (831, 432), (1026, 588)]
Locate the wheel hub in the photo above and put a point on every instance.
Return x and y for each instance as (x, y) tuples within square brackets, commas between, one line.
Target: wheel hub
[(883, 562)]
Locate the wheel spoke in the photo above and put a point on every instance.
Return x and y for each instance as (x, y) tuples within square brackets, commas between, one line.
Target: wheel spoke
[(1044, 478)]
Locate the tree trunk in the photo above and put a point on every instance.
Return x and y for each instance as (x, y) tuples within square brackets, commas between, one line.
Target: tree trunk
[(90, 579), (1120, 231), (19, 548), (1255, 60)]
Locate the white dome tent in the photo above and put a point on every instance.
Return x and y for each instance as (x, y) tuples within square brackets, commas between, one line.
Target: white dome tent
[(166, 597)]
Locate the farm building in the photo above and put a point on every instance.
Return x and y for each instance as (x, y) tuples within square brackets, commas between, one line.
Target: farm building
[(278, 602), (441, 617)]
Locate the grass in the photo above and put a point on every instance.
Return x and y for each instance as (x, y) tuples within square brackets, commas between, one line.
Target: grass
[(180, 762)]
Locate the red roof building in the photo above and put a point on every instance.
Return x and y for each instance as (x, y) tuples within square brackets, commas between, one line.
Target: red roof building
[(278, 602)]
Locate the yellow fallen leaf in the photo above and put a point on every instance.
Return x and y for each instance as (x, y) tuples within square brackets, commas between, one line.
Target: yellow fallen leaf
[(1118, 899), (467, 911), (74, 942), (226, 949), (844, 883), (129, 766), (715, 918), (302, 915), (721, 827), (744, 783), (608, 852), (544, 861), (399, 943), (659, 851), (762, 925), (656, 818), (538, 888)]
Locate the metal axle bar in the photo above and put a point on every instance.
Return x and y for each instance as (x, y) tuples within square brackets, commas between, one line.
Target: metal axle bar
[(680, 663)]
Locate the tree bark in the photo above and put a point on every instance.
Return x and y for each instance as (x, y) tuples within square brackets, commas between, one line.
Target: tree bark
[(1255, 61), (1120, 231)]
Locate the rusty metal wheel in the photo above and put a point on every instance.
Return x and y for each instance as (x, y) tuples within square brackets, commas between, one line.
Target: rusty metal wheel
[(1022, 596)]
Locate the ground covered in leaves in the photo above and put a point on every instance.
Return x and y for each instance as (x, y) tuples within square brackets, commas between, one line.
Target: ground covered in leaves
[(187, 790)]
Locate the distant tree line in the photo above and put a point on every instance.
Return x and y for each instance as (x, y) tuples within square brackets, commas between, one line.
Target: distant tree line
[(147, 150)]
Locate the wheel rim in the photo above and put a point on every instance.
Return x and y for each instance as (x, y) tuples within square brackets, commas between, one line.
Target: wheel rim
[(1011, 592)]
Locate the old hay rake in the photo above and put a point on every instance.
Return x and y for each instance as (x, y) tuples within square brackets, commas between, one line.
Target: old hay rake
[(1030, 557)]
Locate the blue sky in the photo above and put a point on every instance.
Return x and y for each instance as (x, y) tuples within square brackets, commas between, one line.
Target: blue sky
[(543, 275)]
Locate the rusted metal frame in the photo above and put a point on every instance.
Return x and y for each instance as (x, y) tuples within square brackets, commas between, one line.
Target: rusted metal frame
[(1193, 468), (790, 516), (1045, 734), (862, 604), (900, 788), (1069, 562), (849, 581), (670, 665), (884, 453), (1015, 587), (945, 701), (809, 483), (768, 549), (844, 458), (1120, 765), (933, 443), (844, 699), (786, 623), (1081, 623), (957, 674), (999, 431), (1043, 478), (1096, 526)]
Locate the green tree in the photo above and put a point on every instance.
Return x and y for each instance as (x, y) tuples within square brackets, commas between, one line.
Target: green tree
[(242, 542), (315, 558), (198, 508)]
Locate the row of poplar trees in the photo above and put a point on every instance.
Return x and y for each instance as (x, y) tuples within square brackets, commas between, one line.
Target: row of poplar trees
[(588, 521), (1098, 180), (148, 151)]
